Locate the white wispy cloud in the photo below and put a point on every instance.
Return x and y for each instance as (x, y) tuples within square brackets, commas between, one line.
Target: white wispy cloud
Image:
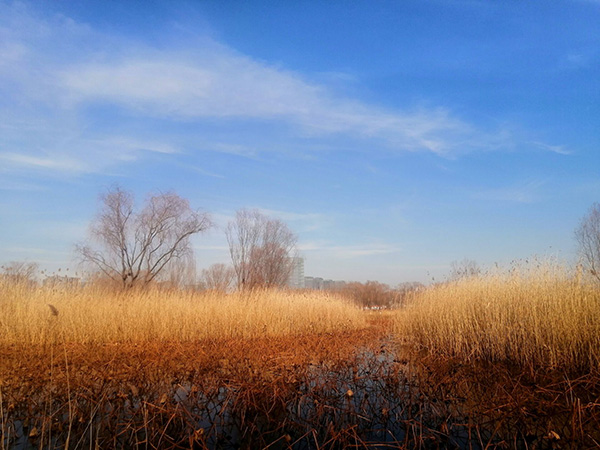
[(348, 251), (131, 144), (204, 172), (60, 150), (55, 71), (12, 185), (559, 149), (301, 222), (217, 82), (50, 162), (55, 74), (528, 192)]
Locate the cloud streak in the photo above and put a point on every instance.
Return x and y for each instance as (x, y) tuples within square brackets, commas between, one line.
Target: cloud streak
[(301, 221), (524, 193), (558, 149), (349, 251), (59, 78), (56, 73), (50, 162), (217, 82)]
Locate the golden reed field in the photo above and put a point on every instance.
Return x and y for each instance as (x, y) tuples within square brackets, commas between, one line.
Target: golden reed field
[(504, 360), (535, 317), (32, 315)]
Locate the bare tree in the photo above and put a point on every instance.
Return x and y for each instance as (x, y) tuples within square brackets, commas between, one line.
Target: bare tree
[(588, 240), (467, 268), (243, 235), (261, 249), (181, 272), (134, 247), (218, 277), (20, 271), (272, 260)]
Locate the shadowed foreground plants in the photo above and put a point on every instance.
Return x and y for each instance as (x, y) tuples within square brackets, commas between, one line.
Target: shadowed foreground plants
[(330, 391)]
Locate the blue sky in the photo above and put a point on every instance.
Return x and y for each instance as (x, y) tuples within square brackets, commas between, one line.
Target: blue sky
[(392, 137)]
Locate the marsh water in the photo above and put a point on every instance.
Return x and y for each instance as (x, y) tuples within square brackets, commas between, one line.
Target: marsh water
[(376, 401)]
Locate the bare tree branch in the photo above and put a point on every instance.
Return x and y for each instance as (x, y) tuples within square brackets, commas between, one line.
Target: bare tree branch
[(20, 271), (135, 247), (587, 236), (261, 249), (218, 277), (467, 268)]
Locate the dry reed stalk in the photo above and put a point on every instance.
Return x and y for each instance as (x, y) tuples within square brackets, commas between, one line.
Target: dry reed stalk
[(3, 431), (534, 317), (95, 315)]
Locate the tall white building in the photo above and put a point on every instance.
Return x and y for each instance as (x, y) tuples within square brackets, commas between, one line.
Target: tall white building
[(296, 280)]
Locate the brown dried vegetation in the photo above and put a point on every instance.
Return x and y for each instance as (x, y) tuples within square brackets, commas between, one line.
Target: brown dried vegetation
[(284, 371)]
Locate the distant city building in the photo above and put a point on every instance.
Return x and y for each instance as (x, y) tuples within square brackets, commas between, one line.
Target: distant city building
[(328, 284), (308, 282), (318, 283), (296, 280)]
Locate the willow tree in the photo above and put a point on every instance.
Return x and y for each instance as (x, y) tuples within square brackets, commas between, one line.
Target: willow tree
[(134, 247)]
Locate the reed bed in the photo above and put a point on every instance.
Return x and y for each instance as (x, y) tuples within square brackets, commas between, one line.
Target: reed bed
[(275, 369), (536, 317), (33, 315)]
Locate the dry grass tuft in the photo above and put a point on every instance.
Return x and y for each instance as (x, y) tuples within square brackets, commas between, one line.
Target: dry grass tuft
[(32, 315), (540, 317)]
